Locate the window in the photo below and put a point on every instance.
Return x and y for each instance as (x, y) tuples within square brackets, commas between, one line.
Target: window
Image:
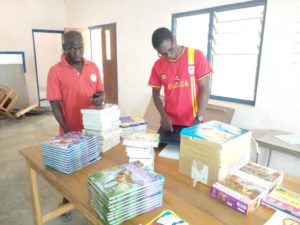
[(231, 37), (13, 58)]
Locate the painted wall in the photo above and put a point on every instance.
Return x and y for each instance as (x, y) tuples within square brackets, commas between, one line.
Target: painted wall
[(17, 19), (277, 94)]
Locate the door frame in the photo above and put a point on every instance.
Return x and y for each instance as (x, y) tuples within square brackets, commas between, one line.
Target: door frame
[(34, 54)]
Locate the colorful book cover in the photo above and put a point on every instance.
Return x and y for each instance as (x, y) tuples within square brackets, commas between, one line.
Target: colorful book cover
[(142, 140), (68, 140), (129, 121), (263, 176), (124, 179), (213, 131), (285, 200), (238, 193), (281, 218), (167, 217)]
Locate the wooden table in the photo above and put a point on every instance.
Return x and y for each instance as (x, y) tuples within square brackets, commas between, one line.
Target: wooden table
[(192, 204), (270, 142)]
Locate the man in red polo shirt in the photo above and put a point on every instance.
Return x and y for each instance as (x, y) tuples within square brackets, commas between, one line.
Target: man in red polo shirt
[(184, 73), (73, 84)]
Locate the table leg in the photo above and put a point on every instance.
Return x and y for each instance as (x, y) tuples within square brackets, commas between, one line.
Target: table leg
[(35, 195), (269, 157)]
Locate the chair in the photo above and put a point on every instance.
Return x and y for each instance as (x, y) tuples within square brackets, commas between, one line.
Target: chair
[(220, 113), (8, 96)]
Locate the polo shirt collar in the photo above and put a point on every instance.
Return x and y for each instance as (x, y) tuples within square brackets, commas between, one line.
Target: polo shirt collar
[(64, 61)]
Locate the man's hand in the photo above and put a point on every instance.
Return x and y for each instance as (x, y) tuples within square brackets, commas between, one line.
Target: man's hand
[(98, 98), (166, 123)]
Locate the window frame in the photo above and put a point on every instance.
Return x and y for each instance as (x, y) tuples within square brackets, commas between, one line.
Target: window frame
[(22, 54), (223, 8)]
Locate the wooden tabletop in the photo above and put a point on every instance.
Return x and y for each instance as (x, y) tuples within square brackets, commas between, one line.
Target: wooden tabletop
[(192, 204)]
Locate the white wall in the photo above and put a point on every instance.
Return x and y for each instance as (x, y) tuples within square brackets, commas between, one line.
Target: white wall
[(17, 19), (277, 94)]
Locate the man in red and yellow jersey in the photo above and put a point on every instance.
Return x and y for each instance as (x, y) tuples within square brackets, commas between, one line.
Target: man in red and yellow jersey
[(184, 73)]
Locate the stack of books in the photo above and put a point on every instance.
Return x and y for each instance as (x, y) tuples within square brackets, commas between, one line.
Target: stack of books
[(104, 122), (245, 188), (125, 191), (284, 200), (140, 146), (70, 152), (210, 151), (281, 218), (132, 124)]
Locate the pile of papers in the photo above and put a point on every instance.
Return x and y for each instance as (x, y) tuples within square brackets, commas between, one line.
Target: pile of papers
[(104, 122), (140, 146), (125, 191), (71, 151), (132, 124)]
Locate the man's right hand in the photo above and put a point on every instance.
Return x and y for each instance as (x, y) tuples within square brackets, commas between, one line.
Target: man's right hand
[(166, 123)]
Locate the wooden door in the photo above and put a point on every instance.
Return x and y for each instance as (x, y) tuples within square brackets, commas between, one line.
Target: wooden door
[(109, 60)]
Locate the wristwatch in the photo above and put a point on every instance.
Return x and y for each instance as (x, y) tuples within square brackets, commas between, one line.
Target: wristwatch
[(199, 119)]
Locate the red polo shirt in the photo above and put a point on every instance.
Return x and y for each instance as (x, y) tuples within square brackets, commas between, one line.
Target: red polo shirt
[(180, 81), (73, 89)]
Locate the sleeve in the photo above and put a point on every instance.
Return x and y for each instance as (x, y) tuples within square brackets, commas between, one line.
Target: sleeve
[(154, 80), (53, 89), (202, 65), (99, 85)]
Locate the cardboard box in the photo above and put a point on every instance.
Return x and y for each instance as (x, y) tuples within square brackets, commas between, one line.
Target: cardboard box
[(206, 172), (214, 149)]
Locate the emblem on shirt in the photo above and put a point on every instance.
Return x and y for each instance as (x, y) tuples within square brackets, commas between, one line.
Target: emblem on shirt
[(191, 70), (93, 77), (163, 76)]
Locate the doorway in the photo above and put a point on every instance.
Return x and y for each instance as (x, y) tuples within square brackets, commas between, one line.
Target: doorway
[(104, 55), (47, 46)]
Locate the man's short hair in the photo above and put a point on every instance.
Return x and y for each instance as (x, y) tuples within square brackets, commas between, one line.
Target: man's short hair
[(160, 35), (71, 35)]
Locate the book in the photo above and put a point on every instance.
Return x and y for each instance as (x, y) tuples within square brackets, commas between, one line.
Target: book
[(131, 121), (167, 217), (124, 191), (141, 140), (264, 177), (100, 110), (238, 193), (281, 218), (285, 200), (170, 151), (213, 131)]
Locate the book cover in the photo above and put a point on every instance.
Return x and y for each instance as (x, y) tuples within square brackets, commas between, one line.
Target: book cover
[(285, 200), (281, 218), (130, 121), (123, 179), (142, 140), (67, 140), (213, 131), (167, 217), (238, 193)]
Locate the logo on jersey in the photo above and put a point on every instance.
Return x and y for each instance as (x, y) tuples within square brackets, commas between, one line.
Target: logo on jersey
[(93, 77), (191, 70), (163, 76)]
